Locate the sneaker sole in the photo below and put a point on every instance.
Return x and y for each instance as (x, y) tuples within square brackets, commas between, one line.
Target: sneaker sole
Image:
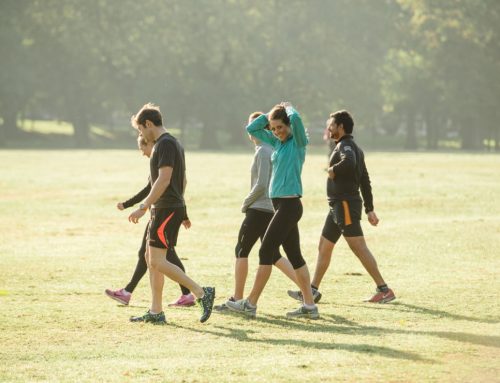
[(117, 299), (158, 323), (246, 314), (183, 305), (307, 316), (386, 300)]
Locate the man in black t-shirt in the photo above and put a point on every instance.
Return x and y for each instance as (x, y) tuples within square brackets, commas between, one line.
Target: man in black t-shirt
[(347, 174), (168, 211)]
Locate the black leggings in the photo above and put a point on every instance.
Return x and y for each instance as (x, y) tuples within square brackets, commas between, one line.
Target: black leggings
[(283, 230), (142, 266), (254, 226)]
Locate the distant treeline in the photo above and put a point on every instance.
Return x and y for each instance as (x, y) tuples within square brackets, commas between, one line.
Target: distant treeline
[(427, 71)]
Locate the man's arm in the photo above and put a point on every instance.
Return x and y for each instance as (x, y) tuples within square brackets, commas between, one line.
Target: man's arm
[(366, 192), (366, 189), (158, 188), (347, 163)]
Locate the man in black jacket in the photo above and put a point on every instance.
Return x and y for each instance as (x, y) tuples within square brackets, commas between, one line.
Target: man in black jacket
[(347, 174)]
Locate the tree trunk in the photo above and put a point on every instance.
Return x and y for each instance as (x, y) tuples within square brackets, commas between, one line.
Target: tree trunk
[(411, 134), (81, 131), (209, 136), (471, 138), (3, 141), (237, 130), (496, 137), (10, 129), (432, 126)]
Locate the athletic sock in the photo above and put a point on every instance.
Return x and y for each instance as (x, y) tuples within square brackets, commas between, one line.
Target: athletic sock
[(383, 288), (309, 307), (125, 292), (314, 287), (251, 305)]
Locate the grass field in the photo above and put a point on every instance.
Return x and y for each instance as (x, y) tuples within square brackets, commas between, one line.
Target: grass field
[(63, 242)]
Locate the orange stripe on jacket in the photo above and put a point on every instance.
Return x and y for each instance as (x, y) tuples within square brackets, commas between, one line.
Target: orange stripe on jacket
[(161, 230), (347, 213)]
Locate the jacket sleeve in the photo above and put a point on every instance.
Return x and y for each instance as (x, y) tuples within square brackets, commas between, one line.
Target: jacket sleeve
[(347, 163), (263, 176), (298, 130), (257, 129), (366, 188), (138, 197)]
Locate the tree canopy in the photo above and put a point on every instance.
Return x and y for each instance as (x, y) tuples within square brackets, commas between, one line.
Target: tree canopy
[(423, 69)]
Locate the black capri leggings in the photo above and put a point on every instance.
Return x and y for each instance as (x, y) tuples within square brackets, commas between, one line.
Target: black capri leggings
[(253, 227), (283, 230)]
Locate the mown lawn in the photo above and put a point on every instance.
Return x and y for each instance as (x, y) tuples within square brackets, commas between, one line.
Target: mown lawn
[(63, 242)]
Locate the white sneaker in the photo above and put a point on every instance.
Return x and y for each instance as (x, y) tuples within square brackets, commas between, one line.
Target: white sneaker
[(242, 306)]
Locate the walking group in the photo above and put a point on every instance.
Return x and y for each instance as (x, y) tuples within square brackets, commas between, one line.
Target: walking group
[(272, 210)]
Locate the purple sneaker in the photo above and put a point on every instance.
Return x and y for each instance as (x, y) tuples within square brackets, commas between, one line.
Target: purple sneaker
[(121, 295)]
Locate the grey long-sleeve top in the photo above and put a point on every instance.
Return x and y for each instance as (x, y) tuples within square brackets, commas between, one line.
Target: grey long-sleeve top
[(258, 198)]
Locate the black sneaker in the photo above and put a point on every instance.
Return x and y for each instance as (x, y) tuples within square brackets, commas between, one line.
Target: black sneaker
[(206, 303), (150, 318)]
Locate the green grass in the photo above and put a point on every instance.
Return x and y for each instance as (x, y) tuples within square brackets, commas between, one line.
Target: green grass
[(64, 242)]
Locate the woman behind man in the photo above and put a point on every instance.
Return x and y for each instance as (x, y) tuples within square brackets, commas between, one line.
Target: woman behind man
[(289, 140), (259, 211), (123, 295)]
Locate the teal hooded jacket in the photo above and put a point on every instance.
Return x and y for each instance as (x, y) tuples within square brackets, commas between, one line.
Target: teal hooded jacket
[(288, 156)]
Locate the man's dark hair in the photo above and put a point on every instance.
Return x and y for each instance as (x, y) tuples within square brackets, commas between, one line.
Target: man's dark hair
[(149, 112), (343, 117)]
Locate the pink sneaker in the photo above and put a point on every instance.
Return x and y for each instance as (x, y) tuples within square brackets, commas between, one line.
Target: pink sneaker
[(183, 301), (381, 297), (121, 295)]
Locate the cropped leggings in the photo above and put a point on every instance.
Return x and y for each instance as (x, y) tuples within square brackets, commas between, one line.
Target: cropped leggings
[(283, 231), (254, 226)]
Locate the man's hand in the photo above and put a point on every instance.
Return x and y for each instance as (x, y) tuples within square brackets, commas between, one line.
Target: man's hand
[(186, 223), (120, 206), (372, 218), (134, 217), (331, 173)]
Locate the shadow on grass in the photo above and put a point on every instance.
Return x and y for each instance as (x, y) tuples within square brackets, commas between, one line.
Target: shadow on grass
[(318, 326), (335, 324), (405, 307), (341, 325), (483, 340), (445, 314)]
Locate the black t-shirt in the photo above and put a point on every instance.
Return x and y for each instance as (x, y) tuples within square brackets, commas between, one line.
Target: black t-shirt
[(167, 151)]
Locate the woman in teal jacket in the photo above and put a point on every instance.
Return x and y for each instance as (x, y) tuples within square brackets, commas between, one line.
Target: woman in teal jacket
[(288, 138)]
